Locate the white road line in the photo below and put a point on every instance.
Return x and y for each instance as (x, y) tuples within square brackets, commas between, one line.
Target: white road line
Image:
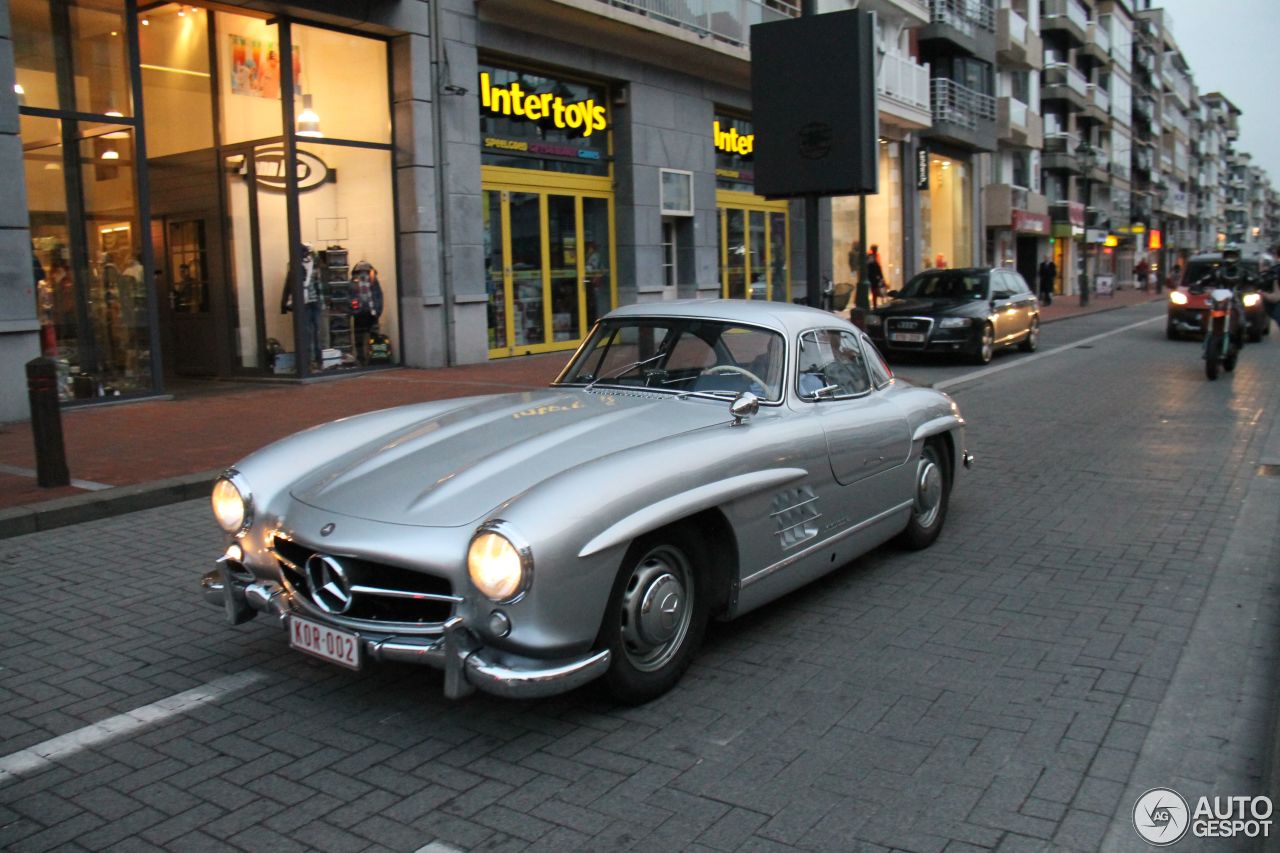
[(87, 485), (43, 754), (987, 371)]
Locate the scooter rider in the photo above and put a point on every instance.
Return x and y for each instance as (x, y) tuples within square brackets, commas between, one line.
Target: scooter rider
[(1233, 275)]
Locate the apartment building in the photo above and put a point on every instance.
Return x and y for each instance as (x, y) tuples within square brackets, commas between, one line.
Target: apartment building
[(1015, 211)]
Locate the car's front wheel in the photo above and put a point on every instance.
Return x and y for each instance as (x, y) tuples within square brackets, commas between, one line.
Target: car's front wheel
[(656, 616), (986, 345), (929, 503)]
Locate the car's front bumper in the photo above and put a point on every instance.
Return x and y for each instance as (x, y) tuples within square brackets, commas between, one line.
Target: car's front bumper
[(958, 340), (467, 664)]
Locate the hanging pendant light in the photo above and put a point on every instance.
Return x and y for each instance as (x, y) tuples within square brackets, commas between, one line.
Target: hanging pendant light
[(308, 121)]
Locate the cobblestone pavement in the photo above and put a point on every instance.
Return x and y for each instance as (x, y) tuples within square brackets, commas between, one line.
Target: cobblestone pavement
[(1007, 689)]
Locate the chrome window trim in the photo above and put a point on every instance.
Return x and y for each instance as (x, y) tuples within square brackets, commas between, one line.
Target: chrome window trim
[(817, 399)]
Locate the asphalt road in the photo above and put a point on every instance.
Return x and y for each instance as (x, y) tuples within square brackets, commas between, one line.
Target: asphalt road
[(1097, 619)]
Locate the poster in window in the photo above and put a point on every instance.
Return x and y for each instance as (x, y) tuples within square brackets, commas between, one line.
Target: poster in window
[(255, 67)]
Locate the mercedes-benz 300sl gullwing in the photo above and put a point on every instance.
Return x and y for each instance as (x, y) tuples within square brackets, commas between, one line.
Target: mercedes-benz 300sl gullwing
[(694, 460)]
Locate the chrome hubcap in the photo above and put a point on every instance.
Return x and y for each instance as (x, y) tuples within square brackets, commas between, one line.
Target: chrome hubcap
[(988, 344), (928, 492), (655, 608)]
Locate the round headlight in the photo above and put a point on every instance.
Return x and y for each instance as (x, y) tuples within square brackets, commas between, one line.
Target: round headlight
[(232, 503), (1251, 299), (498, 568), (1177, 297)]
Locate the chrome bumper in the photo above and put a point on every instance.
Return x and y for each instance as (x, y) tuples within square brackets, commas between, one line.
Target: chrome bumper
[(467, 665)]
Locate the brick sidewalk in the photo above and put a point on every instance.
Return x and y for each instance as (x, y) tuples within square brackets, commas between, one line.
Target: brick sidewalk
[(209, 425)]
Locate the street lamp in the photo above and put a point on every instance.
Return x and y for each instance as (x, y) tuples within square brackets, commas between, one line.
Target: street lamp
[(1087, 156)]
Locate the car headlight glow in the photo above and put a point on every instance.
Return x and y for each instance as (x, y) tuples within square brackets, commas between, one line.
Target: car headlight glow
[(873, 320), (954, 322), (1251, 299), (499, 563), (1177, 297), (233, 503)]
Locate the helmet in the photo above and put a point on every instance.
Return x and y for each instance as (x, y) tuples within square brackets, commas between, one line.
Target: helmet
[(1231, 254)]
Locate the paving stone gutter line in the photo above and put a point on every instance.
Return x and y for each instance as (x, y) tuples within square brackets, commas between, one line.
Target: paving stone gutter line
[(75, 509)]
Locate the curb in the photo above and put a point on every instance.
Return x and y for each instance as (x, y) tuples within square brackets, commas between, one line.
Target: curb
[(1045, 322), (77, 509)]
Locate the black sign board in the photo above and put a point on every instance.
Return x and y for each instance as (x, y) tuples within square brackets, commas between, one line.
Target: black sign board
[(922, 168), (813, 99)]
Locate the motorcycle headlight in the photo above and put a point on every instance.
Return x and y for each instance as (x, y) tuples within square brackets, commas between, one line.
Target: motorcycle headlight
[(1177, 297), (233, 503), (873, 319), (954, 322), (1251, 299), (499, 562)]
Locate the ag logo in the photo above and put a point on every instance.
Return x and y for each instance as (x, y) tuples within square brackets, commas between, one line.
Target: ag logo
[(1161, 816)]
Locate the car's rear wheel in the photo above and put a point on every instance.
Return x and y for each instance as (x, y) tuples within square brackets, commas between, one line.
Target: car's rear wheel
[(986, 346), (1031, 342), (656, 616), (929, 502)]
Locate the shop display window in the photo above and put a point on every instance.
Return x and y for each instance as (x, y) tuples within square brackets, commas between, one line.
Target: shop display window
[(946, 215), (884, 228), (91, 75), (334, 74), (250, 81), (176, 77)]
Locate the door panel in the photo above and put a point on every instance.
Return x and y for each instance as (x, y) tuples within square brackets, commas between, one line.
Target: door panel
[(565, 262), (187, 274), (527, 291)]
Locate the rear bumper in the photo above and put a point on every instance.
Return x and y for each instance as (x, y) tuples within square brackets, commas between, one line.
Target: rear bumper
[(467, 664)]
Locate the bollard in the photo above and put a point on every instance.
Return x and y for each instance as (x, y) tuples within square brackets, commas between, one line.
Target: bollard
[(46, 423)]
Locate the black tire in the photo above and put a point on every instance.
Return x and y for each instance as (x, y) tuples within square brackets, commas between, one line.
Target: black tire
[(1031, 342), (651, 646), (931, 494), (1212, 347), (986, 345), (1255, 335), (1171, 333), (1229, 361)]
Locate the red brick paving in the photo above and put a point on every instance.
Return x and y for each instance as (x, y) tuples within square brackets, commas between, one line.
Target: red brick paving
[(210, 425)]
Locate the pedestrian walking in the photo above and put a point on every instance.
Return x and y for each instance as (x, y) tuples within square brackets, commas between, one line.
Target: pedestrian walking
[(1048, 274), (1141, 274), (875, 275)]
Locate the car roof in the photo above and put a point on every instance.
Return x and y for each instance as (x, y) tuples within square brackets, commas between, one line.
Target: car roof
[(782, 316)]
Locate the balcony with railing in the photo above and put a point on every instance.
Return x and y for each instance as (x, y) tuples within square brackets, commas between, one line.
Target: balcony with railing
[(1017, 124), (1017, 44), (725, 21), (903, 85), (963, 115), (1067, 17), (1059, 154), (1176, 82), (1060, 81), (1098, 106), (1175, 120), (968, 24), (1097, 43), (999, 201)]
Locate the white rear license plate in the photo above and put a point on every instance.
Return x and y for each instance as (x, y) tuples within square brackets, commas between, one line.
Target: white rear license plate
[(340, 647), (907, 337)]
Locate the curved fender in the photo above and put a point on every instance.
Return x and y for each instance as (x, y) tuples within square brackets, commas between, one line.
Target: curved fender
[(687, 503), (936, 426)]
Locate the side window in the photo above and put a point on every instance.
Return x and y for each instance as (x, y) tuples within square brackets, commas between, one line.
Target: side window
[(831, 364), (1000, 287), (1019, 285), (881, 375)]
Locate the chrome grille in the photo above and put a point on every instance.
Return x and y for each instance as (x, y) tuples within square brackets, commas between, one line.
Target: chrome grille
[(912, 325), (383, 596)]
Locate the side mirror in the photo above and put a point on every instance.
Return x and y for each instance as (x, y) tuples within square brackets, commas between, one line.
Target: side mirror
[(744, 406)]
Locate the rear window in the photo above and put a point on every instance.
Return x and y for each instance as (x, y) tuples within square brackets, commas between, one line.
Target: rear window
[(1199, 268)]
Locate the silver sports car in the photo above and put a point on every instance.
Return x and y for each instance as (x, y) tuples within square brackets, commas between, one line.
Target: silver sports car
[(695, 459)]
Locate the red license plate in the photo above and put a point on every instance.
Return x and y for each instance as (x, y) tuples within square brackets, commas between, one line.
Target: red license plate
[(340, 647)]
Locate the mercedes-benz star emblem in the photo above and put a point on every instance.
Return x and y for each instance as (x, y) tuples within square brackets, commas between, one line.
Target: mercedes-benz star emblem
[(328, 583), (327, 529)]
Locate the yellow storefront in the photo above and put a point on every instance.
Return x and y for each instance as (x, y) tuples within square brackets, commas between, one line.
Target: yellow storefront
[(548, 208), (754, 232)]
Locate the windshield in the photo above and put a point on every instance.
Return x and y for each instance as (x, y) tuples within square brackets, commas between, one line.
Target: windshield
[(947, 284), (681, 355), (1199, 268)]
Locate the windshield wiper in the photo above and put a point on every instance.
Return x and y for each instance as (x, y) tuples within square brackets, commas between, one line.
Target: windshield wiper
[(626, 369)]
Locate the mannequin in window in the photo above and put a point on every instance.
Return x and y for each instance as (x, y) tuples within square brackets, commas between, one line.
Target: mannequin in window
[(311, 296)]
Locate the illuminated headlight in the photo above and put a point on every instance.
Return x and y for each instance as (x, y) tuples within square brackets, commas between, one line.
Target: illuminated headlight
[(233, 503), (954, 322), (500, 564), (874, 320), (1251, 299), (1177, 297)]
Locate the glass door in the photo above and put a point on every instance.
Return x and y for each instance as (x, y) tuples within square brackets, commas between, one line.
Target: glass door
[(754, 248), (549, 263)]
